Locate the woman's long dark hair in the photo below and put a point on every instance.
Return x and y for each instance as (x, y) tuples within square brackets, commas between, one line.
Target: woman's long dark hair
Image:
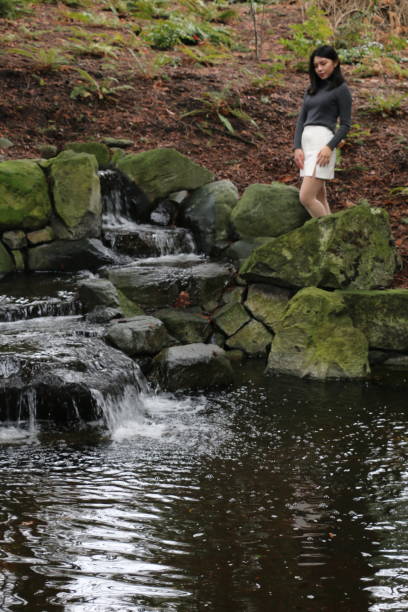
[(334, 80)]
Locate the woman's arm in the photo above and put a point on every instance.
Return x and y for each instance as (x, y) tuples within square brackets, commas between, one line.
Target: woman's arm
[(344, 101)]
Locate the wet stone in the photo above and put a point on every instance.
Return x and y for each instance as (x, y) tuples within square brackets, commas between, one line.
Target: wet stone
[(192, 366), (15, 239), (142, 335)]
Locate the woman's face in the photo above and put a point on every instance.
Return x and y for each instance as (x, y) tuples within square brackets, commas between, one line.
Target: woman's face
[(324, 66)]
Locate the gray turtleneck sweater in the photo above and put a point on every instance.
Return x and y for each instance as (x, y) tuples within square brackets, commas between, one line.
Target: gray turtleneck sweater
[(324, 108)]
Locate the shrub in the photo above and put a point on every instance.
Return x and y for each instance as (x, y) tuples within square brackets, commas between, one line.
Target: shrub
[(314, 31)]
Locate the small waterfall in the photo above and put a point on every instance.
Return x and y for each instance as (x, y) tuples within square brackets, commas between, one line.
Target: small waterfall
[(120, 411), (122, 200), (52, 307)]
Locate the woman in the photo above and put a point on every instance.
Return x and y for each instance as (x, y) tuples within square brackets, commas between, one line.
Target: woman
[(327, 100)]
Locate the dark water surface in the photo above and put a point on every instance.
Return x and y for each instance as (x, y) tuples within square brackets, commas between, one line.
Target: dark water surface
[(279, 495)]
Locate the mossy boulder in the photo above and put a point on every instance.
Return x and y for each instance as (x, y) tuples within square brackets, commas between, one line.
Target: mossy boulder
[(268, 210), (267, 303), (7, 264), (77, 196), (162, 171), (15, 239), (316, 338), (381, 315), (24, 199), (231, 317), (253, 339), (207, 211), (185, 325), (98, 149), (350, 249)]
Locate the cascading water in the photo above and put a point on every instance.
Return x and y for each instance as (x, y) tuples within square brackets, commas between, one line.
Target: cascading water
[(125, 214)]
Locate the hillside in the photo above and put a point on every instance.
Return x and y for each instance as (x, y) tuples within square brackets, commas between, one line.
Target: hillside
[(87, 71)]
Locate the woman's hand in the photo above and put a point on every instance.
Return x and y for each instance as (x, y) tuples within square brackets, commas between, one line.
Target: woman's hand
[(299, 158), (323, 157)]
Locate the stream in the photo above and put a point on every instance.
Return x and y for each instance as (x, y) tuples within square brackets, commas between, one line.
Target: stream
[(274, 494), (279, 494)]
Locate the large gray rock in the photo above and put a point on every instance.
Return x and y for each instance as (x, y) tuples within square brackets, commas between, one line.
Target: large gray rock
[(267, 303), (316, 338), (141, 335), (207, 211), (162, 171), (253, 339), (24, 199), (350, 249), (192, 366), (187, 326), (77, 196), (268, 210), (159, 286), (381, 315), (97, 292), (69, 256)]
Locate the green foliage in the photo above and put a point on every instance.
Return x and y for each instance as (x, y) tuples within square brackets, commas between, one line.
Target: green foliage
[(273, 73), (91, 19), (357, 134), (207, 54), (221, 106), (91, 87), (44, 59), (94, 49), (149, 9), (355, 54), (12, 8), (386, 105), (151, 68), (314, 31)]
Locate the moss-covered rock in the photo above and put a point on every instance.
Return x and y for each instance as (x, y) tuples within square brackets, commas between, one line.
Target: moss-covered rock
[(7, 264), (77, 196), (350, 249), (233, 294), (231, 317), (316, 338), (46, 234), (253, 339), (381, 315), (207, 211), (24, 199), (268, 210), (267, 303), (187, 326), (161, 171), (15, 239), (98, 149)]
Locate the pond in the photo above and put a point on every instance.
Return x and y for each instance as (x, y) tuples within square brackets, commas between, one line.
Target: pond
[(278, 494)]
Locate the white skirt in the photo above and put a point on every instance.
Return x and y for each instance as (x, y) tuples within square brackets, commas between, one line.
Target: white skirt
[(314, 138)]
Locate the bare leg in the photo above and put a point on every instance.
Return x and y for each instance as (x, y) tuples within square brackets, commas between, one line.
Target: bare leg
[(309, 191), (322, 197)]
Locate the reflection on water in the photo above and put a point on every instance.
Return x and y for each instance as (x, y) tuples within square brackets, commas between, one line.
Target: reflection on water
[(279, 495)]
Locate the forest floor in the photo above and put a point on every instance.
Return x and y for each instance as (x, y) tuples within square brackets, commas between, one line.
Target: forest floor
[(36, 109)]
